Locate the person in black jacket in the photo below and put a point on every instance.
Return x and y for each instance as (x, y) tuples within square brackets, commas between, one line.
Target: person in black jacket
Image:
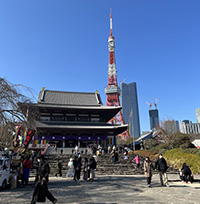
[(43, 169), (77, 166), (161, 166), (186, 173), (92, 167), (41, 189)]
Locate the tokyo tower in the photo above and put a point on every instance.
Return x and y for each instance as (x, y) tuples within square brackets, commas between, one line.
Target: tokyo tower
[(112, 90)]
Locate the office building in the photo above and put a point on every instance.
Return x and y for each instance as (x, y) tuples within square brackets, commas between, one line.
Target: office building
[(129, 101), (188, 127), (154, 118)]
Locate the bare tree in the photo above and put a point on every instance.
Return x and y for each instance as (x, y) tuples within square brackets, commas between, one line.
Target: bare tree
[(10, 111)]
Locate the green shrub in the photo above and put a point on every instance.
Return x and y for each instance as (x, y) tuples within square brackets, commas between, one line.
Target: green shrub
[(176, 158)]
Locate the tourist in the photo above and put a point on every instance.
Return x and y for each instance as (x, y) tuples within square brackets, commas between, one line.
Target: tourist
[(187, 174), (85, 170), (86, 151), (41, 191), (32, 158), (88, 170), (181, 175), (76, 149), (148, 168), (116, 156), (70, 172), (109, 149), (92, 168), (102, 151), (26, 170), (95, 157), (77, 166), (113, 156), (59, 168), (43, 169), (125, 153), (61, 151), (161, 166), (94, 149), (137, 160)]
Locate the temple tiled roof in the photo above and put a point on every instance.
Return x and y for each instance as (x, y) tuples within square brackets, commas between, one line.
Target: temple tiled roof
[(69, 98), (81, 126)]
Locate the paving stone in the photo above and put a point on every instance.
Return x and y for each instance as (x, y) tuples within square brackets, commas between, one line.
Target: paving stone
[(112, 189)]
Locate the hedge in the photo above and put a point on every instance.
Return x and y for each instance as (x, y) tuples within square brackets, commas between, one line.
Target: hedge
[(176, 157)]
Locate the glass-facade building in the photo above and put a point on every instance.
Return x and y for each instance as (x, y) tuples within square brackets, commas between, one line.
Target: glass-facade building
[(129, 101), (154, 118)]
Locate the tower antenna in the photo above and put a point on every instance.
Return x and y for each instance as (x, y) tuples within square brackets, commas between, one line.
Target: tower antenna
[(110, 22), (112, 90)]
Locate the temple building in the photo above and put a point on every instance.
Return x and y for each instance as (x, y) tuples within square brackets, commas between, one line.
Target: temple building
[(74, 118)]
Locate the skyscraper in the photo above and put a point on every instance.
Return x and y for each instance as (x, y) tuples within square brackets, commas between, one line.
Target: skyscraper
[(129, 101), (154, 118)]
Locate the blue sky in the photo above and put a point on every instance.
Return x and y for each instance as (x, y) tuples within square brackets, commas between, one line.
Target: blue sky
[(62, 45)]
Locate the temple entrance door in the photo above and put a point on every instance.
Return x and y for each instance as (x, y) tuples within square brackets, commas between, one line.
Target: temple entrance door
[(71, 143)]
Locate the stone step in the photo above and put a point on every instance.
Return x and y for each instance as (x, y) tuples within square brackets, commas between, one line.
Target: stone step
[(104, 165)]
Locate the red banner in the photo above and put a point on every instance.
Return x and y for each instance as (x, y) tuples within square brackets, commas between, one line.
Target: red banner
[(29, 136)]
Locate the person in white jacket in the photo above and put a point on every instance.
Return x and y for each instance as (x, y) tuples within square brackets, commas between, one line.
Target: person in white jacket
[(70, 172)]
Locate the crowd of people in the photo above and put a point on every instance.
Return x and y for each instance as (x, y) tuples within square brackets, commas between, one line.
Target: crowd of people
[(76, 165), (162, 167), (84, 169)]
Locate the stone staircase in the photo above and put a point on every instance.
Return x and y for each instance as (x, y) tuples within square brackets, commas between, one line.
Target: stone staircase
[(104, 165)]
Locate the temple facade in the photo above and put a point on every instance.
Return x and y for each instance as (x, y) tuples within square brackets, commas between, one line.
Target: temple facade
[(68, 119)]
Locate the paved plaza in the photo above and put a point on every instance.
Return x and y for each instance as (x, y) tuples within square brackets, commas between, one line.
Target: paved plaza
[(111, 189)]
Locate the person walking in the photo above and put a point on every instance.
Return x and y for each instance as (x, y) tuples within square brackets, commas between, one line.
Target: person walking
[(41, 191), (32, 158), (26, 170), (125, 153), (70, 171), (43, 169), (113, 156), (137, 160), (76, 149), (92, 168), (85, 170), (61, 151), (59, 168), (148, 169), (109, 149), (161, 166), (77, 166)]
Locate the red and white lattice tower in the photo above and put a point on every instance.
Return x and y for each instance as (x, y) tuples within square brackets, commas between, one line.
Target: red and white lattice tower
[(112, 90)]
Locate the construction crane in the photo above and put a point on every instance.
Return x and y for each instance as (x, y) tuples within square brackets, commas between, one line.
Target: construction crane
[(156, 101), (149, 104)]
